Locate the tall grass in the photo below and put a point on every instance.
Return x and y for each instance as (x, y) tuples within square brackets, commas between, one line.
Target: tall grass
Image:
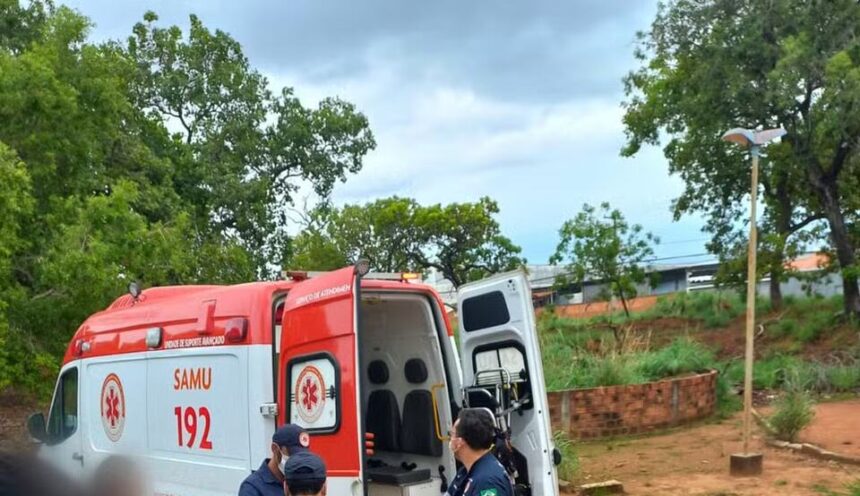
[(794, 411), (569, 468), (567, 367), (712, 308)]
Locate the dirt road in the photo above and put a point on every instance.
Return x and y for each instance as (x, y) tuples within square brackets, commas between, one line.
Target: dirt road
[(694, 461)]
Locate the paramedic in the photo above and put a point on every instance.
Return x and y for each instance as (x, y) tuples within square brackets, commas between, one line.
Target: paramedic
[(304, 475), (471, 442), (268, 480)]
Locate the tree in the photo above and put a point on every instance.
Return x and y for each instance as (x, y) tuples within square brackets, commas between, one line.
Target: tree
[(600, 245), (710, 66), (247, 147), (95, 190), (463, 241)]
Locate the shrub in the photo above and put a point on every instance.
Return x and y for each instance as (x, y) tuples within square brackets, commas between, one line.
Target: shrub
[(786, 327), (683, 355), (793, 412), (844, 378), (569, 468)]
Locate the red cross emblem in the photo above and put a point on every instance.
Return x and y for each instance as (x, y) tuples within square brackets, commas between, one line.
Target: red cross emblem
[(113, 407), (310, 395)]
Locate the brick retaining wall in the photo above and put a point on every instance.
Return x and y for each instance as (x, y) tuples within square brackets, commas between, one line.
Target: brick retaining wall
[(623, 410)]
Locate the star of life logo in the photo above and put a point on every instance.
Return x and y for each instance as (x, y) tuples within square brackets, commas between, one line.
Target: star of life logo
[(310, 394), (113, 407)]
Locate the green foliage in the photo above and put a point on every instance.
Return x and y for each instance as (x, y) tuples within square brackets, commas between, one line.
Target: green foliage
[(713, 309), (462, 241), (707, 67), (569, 468), (793, 412), (601, 245), (681, 356), (247, 146), (844, 378), (95, 191)]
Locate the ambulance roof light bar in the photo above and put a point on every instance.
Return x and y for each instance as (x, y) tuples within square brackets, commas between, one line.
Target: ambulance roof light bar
[(301, 275)]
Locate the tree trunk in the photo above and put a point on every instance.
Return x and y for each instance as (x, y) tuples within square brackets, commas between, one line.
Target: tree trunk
[(775, 291), (828, 193)]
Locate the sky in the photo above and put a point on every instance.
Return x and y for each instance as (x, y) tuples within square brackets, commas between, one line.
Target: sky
[(519, 101)]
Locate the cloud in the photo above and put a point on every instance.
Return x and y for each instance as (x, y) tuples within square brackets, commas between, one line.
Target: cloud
[(519, 101)]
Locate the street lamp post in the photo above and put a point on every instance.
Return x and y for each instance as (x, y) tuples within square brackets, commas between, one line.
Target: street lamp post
[(750, 463)]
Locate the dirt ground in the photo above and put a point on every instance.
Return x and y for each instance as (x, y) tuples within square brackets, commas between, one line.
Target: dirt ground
[(695, 461), (836, 427)]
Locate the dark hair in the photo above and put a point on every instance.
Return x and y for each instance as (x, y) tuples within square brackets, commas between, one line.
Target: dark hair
[(116, 475), (24, 474), (306, 486), (476, 427)]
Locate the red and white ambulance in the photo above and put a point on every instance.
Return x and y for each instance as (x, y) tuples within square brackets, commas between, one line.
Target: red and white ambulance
[(192, 381)]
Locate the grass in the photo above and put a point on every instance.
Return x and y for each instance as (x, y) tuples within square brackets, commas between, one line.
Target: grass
[(793, 412), (566, 366), (569, 468), (712, 308), (851, 489)]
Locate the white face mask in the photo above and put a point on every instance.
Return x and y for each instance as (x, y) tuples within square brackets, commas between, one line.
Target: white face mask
[(283, 463)]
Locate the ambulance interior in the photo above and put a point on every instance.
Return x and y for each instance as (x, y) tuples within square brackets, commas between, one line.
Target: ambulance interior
[(408, 396)]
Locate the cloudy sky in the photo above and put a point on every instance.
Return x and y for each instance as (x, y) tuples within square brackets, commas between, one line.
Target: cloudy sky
[(516, 100)]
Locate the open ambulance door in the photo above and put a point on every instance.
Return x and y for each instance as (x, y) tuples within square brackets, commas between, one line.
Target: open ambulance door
[(318, 373), (502, 371)]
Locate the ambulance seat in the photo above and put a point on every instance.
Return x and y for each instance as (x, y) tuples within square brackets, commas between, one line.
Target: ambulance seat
[(418, 434), (383, 413)]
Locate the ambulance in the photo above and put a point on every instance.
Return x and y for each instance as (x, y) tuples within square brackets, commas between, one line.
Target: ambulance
[(192, 380)]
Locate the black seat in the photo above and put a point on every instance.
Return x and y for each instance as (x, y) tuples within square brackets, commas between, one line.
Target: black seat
[(397, 476), (383, 414), (418, 435)]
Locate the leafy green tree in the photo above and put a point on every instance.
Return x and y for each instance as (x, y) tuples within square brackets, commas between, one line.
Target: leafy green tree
[(247, 148), (21, 25), (463, 241), (710, 66), (600, 245), (96, 191)]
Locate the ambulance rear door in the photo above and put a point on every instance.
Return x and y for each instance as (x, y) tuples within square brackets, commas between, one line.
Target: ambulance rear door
[(318, 373), (499, 344)]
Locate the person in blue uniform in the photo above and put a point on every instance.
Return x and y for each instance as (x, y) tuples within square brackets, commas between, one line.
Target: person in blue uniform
[(305, 475), (471, 441), (268, 480)]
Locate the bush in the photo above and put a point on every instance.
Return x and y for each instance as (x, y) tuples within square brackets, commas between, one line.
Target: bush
[(24, 367), (682, 356), (793, 412), (569, 468), (786, 327), (816, 322), (712, 308), (844, 378)]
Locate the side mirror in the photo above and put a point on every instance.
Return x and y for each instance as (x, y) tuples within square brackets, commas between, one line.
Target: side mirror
[(36, 427)]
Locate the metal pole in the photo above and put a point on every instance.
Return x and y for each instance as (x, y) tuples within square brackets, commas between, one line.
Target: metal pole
[(751, 294)]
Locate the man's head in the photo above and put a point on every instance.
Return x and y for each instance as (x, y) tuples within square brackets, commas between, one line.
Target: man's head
[(473, 432), (304, 474), (288, 441)]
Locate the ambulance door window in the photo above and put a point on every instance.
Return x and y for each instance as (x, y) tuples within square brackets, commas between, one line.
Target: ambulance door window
[(314, 402), (63, 419)]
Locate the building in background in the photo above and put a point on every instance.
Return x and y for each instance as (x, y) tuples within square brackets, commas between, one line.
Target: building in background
[(672, 278)]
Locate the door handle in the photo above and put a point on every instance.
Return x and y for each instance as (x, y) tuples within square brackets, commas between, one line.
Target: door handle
[(79, 457)]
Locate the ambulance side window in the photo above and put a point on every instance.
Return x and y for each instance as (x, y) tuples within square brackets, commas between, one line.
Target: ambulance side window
[(314, 394), (63, 419)]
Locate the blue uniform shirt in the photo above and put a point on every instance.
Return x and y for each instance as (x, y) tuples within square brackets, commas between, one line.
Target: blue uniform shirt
[(262, 482), (486, 478)]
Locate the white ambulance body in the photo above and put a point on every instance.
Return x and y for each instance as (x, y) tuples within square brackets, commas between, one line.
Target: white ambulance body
[(191, 381)]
